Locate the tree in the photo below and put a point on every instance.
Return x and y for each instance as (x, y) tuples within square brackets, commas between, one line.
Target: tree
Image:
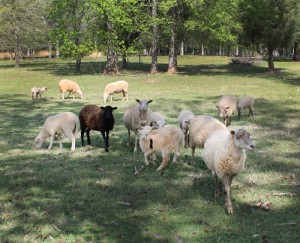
[(268, 22), (23, 26), (71, 21)]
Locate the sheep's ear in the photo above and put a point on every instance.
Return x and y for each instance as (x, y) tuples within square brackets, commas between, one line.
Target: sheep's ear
[(138, 101), (114, 108), (101, 107), (232, 133), (217, 106), (149, 101)]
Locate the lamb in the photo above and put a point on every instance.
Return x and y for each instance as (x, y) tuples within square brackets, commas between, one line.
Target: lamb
[(162, 140), (156, 119), (246, 102), (184, 117), (136, 116), (224, 154), (199, 129), (35, 92), (55, 126), (116, 87), (227, 105), (71, 86), (96, 118)]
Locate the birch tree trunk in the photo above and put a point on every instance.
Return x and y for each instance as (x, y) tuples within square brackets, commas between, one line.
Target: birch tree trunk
[(154, 47)]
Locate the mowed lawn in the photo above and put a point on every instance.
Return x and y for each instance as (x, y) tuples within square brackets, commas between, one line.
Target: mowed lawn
[(93, 196)]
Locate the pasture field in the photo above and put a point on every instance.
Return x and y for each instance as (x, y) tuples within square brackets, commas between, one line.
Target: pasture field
[(94, 196)]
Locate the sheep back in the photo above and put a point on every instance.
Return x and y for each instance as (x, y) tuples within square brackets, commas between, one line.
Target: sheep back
[(200, 127)]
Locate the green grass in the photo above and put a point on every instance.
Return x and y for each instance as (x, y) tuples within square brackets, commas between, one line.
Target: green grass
[(59, 196)]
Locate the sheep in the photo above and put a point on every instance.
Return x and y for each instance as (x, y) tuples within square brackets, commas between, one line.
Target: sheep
[(96, 118), (116, 87), (184, 117), (224, 154), (55, 126), (161, 140), (156, 120), (246, 102), (227, 105), (35, 92), (136, 116), (71, 86), (199, 129)]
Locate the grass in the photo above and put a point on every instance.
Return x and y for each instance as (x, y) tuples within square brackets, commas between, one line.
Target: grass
[(59, 196)]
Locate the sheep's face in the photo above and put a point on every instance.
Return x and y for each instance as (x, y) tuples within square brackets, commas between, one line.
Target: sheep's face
[(224, 111), (144, 135), (38, 142), (143, 108), (108, 112), (242, 139), (80, 94)]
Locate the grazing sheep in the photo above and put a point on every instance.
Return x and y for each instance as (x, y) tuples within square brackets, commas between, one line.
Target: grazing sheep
[(156, 119), (161, 140), (71, 86), (116, 87), (226, 108), (136, 116), (96, 118), (224, 154), (246, 102), (55, 126), (199, 129), (184, 117), (35, 92)]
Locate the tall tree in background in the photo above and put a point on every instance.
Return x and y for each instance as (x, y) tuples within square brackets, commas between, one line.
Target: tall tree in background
[(23, 26), (71, 21), (155, 35), (270, 23)]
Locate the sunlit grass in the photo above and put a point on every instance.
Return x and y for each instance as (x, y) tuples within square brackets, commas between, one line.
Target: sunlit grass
[(56, 195)]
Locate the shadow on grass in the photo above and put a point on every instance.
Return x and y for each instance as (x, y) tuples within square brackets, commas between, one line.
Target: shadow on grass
[(52, 194)]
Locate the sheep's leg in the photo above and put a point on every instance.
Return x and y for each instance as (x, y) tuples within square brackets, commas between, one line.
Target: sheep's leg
[(60, 144), (176, 153), (105, 138), (136, 138), (217, 192), (73, 143), (146, 154), (164, 163), (193, 154), (111, 98), (62, 95), (250, 112), (82, 137), (51, 142), (227, 184), (128, 140), (88, 136), (239, 114)]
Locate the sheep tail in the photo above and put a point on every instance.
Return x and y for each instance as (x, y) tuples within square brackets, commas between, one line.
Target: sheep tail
[(151, 143)]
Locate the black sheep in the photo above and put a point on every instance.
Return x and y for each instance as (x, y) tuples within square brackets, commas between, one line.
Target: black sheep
[(96, 118)]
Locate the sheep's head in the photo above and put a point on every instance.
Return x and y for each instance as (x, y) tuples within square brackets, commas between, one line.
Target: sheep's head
[(108, 112), (224, 111), (242, 139), (38, 142), (144, 134), (143, 111)]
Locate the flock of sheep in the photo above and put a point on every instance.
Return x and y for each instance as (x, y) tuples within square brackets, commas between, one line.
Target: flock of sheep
[(223, 149)]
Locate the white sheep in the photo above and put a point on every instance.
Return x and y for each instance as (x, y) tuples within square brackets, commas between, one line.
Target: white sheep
[(224, 154), (116, 87), (184, 117), (136, 116), (199, 129), (246, 102), (35, 92), (71, 86), (56, 126), (227, 105), (163, 140), (156, 119)]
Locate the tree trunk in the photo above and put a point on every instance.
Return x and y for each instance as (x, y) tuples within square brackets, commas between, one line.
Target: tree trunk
[(172, 68), (182, 49), (124, 60), (78, 64), (271, 67), (111, 67), (295, 56), (17, 51), (202, 50), (154, 47)]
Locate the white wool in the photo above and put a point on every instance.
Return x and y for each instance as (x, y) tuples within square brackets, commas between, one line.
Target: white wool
[(63, 123), (116, 87), (184, 118), (156, 119), (71, 86), (227, 105)]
